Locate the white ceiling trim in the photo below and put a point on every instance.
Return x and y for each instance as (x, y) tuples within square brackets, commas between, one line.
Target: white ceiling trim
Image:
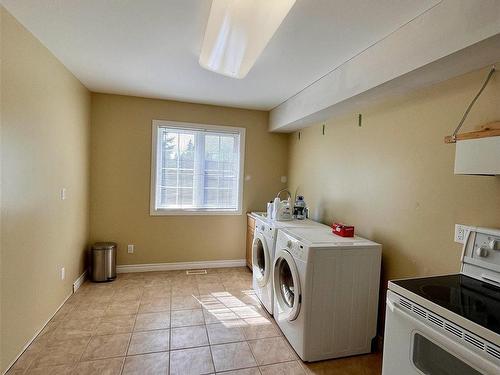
[(408, 55)]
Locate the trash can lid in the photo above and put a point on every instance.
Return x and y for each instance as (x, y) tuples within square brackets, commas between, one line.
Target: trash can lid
[(104, 245)]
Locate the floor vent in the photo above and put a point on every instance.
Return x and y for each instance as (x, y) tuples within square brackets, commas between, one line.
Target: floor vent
[(196, 272)]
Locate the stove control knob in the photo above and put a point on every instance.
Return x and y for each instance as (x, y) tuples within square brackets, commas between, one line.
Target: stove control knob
[(482, 252), (494, 245)]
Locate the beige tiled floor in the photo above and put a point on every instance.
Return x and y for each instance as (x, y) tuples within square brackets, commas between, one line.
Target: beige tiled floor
[(169, 322)]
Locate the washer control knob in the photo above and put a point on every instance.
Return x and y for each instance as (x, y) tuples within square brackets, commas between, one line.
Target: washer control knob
[(494, 245), (482, 252), (262, 227), (289, 244)]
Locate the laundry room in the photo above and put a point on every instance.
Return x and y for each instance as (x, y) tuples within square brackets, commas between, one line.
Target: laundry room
[(246, 187)]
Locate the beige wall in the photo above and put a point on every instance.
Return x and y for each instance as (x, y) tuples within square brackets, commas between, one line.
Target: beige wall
[(393, 177), (45, 146), (120, 181)]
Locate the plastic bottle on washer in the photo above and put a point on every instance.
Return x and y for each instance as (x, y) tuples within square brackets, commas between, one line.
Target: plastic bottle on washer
[(299, 210)]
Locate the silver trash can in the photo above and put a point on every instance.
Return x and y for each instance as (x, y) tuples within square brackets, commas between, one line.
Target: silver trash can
[(103, 261)]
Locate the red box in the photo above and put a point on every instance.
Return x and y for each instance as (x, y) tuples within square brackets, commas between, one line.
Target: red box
[(343, 230)]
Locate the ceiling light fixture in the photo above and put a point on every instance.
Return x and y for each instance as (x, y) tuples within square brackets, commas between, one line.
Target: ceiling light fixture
[(238, 31)]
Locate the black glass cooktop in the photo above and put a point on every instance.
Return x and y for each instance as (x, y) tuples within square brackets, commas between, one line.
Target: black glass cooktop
[(472, 299)]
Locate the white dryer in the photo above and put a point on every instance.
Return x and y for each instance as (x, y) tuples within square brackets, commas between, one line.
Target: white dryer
[(263, 250), (326, 292)]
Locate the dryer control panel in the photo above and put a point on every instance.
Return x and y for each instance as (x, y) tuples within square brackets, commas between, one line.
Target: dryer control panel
[(296, 249)]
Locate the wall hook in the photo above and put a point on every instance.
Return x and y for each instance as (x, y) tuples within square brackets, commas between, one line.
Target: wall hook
[(360, 119), (299, 136), (323, 129)]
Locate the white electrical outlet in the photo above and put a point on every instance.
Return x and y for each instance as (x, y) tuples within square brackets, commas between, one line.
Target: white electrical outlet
[(461, 232), (130, 249), (63, 273)]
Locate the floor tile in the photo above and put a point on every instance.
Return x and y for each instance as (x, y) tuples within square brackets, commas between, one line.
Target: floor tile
[(222, 333), (150, 321), (231, 301), (111, 366), (115, 324), (208, 279), (75, 327), (186, 290), (146, 364), (157, 305), (219, 315), (123, 308), (84, 314), (211, 288), (194, 361), (232, 356), (271, 350), (249, 312), (52, 370), (149, 342), (223, 318), (107, 346), (61, 353), (187, 337), (27, 358), (287, 368), (260, 328), (185, 302), (245, 371), (162, 297), (184, 318)]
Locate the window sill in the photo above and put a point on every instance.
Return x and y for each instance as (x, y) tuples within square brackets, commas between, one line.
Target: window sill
[(174, 212)]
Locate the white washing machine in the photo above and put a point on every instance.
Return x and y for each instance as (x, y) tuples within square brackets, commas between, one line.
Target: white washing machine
[(263, 250), (326, 292)]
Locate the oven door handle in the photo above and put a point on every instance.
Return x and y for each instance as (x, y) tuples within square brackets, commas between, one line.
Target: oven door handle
[(456, 348)]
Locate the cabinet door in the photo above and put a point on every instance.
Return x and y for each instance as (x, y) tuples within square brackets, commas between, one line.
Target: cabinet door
[(250, 232), (251, 222)]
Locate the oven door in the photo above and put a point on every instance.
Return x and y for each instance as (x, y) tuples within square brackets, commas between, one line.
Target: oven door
[(412, 347)]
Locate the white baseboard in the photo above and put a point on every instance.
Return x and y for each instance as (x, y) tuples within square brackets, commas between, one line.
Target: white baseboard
[(180, 266), (30, 341), (78, 282)]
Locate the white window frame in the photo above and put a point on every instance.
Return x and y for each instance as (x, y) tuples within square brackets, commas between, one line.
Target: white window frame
[(153, 211)]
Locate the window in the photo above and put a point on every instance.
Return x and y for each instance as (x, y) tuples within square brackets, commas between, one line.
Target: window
[(196, 169)]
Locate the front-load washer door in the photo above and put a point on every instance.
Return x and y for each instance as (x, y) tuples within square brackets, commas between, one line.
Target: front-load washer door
[(261, 259), (287, 285)]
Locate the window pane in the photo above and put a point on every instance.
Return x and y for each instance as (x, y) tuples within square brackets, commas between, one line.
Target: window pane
[(210, 198), (186, 179), (186, 197), (197, 169)]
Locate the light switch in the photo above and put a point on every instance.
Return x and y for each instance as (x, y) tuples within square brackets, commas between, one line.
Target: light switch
[(63, 194)]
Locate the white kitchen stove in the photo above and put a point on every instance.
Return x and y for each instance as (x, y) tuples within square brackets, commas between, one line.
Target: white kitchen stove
[(448, 325)]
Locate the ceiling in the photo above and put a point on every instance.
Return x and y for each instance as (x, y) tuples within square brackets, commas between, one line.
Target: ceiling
[(150, 48)]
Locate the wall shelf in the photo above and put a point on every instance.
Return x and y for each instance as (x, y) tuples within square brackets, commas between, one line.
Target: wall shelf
[(485, 131)]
